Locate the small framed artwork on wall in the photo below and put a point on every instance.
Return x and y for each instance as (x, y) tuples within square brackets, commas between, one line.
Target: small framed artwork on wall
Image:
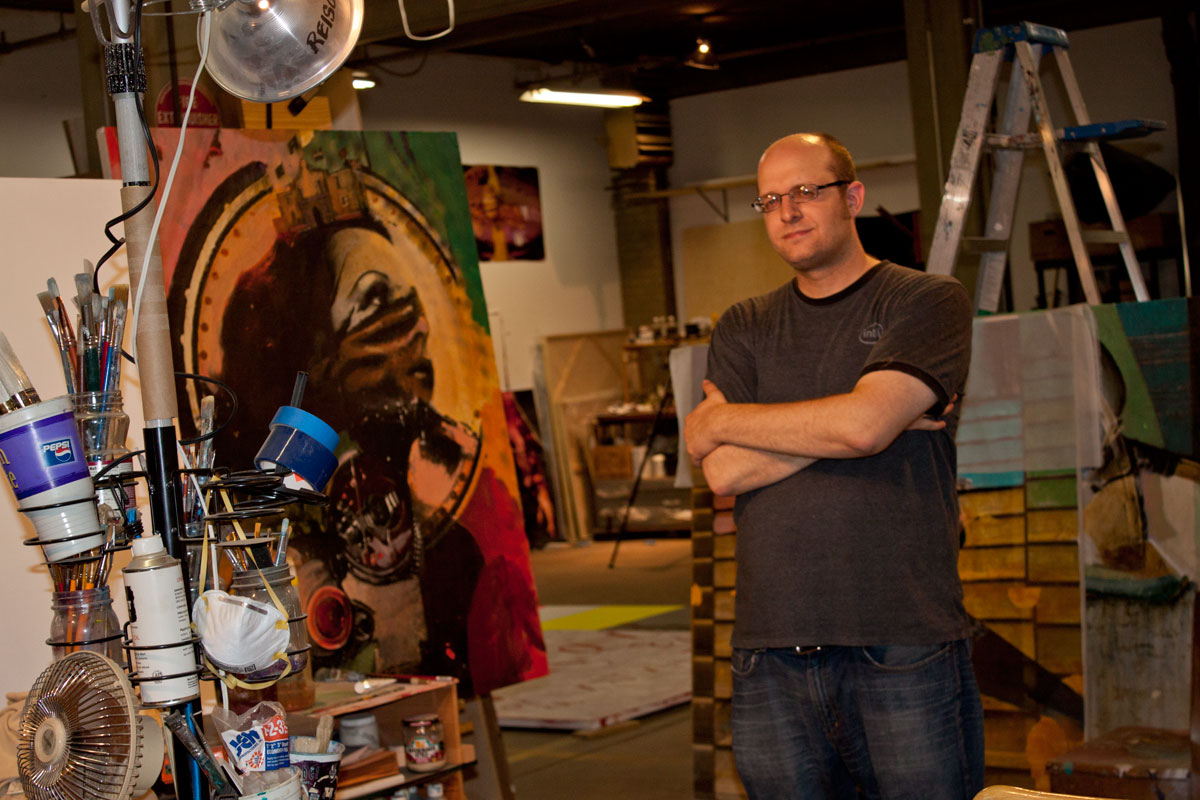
[(506, 212)]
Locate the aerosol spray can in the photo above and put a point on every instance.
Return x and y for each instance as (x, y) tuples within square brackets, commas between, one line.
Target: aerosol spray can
[(159, 628)]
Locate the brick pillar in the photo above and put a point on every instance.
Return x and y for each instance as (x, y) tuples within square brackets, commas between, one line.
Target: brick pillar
[(643, 247)]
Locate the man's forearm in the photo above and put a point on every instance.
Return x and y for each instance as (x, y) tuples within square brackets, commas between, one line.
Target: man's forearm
[(852, 425), (731, 469)]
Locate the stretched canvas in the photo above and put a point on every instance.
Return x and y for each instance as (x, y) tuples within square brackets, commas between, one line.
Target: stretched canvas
[(350, 256)]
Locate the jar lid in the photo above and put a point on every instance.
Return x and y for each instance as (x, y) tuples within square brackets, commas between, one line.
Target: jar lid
[(421, 719)]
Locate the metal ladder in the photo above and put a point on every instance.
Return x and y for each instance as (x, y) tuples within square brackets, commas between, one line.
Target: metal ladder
[(1027, 43)]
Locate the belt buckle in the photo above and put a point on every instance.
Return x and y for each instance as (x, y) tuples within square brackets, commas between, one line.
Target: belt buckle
[(807, 651)]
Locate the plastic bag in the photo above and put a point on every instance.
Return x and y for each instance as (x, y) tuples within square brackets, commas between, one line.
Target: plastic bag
[(257, 740)]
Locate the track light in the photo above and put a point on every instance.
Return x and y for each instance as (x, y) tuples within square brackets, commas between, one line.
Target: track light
[(599, 98), (703, 56), (361, 79)]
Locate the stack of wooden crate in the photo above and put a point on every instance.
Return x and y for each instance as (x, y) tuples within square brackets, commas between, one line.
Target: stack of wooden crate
[(1020, 573), (713, 574)]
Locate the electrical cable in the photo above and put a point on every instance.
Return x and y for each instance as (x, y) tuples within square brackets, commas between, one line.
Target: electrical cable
[(141, 111), (205, 23), (232, 412), (397, 74)]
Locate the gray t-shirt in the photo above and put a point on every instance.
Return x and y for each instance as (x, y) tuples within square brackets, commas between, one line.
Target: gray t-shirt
[(856, 551)]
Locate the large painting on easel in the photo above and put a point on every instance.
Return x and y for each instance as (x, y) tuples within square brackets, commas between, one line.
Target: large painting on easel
[(351, 256)]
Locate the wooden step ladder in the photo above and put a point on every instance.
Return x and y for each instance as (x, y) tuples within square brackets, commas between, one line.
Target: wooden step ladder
[(1024, 44)]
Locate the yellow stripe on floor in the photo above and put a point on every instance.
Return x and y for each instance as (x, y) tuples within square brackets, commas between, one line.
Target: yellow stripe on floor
[(602, 617)]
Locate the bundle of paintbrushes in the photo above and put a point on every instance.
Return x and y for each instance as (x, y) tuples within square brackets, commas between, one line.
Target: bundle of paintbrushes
[(91, 361), (15, 389), (85, 571)]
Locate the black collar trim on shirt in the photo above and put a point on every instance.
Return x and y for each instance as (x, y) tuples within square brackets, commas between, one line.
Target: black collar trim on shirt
[(862, 281)]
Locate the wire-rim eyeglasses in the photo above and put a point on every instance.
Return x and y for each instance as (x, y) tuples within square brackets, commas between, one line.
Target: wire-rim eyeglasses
[(800, 193)]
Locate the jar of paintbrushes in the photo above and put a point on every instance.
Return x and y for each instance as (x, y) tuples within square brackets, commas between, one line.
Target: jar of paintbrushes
[(84, 620), (103, 426)]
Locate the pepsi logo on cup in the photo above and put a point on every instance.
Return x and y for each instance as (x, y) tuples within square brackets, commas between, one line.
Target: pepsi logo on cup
[(58, 452)]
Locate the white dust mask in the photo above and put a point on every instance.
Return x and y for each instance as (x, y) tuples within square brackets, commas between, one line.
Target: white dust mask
[(240, 635)]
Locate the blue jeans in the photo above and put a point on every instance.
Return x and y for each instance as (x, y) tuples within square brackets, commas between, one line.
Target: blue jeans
[(891, 721)]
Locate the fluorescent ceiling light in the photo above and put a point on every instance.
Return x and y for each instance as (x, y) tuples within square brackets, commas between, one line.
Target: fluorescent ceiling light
[(598, 98)]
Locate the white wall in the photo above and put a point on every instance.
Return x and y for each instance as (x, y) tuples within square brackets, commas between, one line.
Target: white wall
[(49, 227), (577, 287), (1122, 72)]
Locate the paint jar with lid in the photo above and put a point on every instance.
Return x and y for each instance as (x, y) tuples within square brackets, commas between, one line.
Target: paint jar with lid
[(424, 748)]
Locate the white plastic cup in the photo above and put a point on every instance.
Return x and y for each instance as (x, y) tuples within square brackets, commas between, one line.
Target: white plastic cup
[(289, 789), (318, 771), (44, 463)]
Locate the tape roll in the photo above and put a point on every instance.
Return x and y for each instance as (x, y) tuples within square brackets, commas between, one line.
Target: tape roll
[(301, 442)]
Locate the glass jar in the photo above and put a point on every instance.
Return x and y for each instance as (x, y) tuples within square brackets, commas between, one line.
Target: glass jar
[(424, 748), (297, 691), (84, 620), (249, 583), (103, 426)]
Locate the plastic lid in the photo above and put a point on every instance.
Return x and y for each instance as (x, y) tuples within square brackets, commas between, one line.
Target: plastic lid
[(147, 545)]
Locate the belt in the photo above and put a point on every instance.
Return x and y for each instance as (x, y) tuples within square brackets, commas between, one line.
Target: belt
[(808, 651)]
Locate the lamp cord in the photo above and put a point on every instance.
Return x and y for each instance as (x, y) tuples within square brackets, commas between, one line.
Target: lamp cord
[(205, 25)]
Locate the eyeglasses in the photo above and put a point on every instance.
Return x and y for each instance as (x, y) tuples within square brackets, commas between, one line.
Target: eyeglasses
[(802, 193)]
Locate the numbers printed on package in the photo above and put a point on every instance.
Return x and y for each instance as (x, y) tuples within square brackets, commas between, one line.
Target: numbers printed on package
[(262, 747)]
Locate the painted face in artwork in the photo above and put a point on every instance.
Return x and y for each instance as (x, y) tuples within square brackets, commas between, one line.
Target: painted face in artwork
[(377, 320)]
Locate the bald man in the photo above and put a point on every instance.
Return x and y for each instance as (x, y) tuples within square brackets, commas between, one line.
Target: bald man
[(829, 413)]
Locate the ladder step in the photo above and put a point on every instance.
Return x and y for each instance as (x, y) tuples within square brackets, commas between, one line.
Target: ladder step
[(1122, 129), (1105, 237), (981, 244), (1000, 37)]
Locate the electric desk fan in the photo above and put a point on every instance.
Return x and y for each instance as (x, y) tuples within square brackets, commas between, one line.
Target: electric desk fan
[(81, 737)]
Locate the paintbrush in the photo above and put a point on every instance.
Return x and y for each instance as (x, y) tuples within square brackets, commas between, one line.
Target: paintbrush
[(21, 391), (50, 309), (112, 380), (68, 333)]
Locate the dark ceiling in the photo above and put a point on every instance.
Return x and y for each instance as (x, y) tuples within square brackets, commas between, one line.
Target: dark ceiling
[(642, 44)]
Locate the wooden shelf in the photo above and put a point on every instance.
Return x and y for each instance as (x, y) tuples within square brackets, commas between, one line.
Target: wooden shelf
[(403, 778), (391, 704)]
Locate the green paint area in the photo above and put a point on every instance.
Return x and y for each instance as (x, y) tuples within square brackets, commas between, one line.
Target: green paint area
[(1050, 493), (1161, 342), (1137, 417)]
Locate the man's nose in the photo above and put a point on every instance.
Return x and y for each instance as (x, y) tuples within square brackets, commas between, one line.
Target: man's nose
[(789, 209)]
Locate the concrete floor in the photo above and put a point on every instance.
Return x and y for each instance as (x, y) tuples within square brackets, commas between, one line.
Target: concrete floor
[(646, 758)]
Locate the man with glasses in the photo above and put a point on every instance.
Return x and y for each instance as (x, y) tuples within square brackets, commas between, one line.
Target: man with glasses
[(829, 412)]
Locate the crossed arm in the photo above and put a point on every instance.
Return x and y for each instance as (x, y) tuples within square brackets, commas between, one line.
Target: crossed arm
[(744, 446)]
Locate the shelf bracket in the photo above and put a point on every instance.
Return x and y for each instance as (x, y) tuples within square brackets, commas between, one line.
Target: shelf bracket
[(723, 211)]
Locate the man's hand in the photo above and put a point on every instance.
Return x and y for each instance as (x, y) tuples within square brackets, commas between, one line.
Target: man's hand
[(699, 428), (925, 422)]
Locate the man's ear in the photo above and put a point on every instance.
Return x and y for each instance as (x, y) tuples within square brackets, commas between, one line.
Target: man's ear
[(856, 197)]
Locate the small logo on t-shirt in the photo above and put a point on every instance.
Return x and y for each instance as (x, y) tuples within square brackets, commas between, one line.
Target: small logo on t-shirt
[(871, 334)]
